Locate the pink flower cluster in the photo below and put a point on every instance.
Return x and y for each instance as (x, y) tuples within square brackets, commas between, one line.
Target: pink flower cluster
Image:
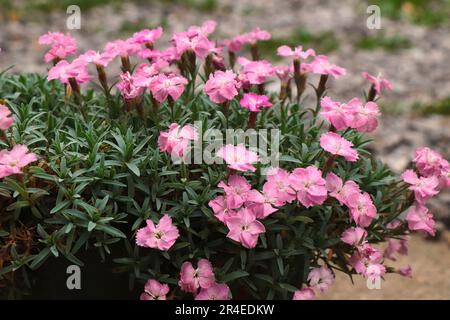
[(433, 174), (354, 114), (62, 45), (13, 161), (319, 279)]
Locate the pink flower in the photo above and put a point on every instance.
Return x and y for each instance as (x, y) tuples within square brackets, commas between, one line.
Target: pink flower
[(304, 294), (378, 82), (191, 279), (374, 272), (147, 36), (354, 236), (234, 44), (365, 116), (175, 141), (429, 162), (321, 65), (162, 236), (219, 205), (12, 162), (64, 70), (194, 41), (424, 188), (5, 120), (284, 73), (338, 114), (297, 53), (362, 209), (321, 278), (154, 290), (261, 203), (365, 255), (217, 291), (100, 59), (336, 145), (62, 45), (255, 72), (396, 246), (121, 48), (254, 102), (144, 74), (221, 86), (128, 87), (238, 157), (236, 191), (278, 186), (244, 228), (339, 190), (163, 86), (405, 271), (254, 36), (419, 219), (309, 185)]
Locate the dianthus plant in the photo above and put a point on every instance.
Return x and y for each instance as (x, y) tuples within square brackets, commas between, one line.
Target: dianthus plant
[(104, 159)]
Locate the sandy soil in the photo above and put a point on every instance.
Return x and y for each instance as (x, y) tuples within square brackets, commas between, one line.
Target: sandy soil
[(431, 275)]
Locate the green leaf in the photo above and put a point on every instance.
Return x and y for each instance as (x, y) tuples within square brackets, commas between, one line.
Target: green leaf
[(235, 275)]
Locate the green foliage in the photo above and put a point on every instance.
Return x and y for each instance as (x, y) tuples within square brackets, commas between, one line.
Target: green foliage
[(380, 40), (98, 179)]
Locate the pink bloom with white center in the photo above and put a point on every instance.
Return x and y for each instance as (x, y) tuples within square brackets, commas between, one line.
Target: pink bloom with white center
[(304, 294), (121, 48), (336, 145), (238, 157), (176, 140), (321, 278), (429, 162), (362, 209), (254, 102), (405, 271), (222, 86), (164, 85), (236, 190), (64, 70), (191, 279), (339, 190), (338, 114), (219, 205), (420, 219), (354, 236), (100, 59), (378, 82), (244, 228), (147, 36), (278, 186), (309, 185), (63, 45), (365, 116), (424, 188), (256, 72), (321, 65), (217, 291), (128, 87), (5, 117), (154, 290), (12, 162), (162, 236), (399, 246), (297, 53), (364, 255)]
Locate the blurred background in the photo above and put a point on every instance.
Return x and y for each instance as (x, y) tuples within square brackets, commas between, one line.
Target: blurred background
[(412, 50)]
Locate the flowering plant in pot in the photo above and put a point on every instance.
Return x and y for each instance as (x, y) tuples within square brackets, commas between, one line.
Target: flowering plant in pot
[(152, 161)]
